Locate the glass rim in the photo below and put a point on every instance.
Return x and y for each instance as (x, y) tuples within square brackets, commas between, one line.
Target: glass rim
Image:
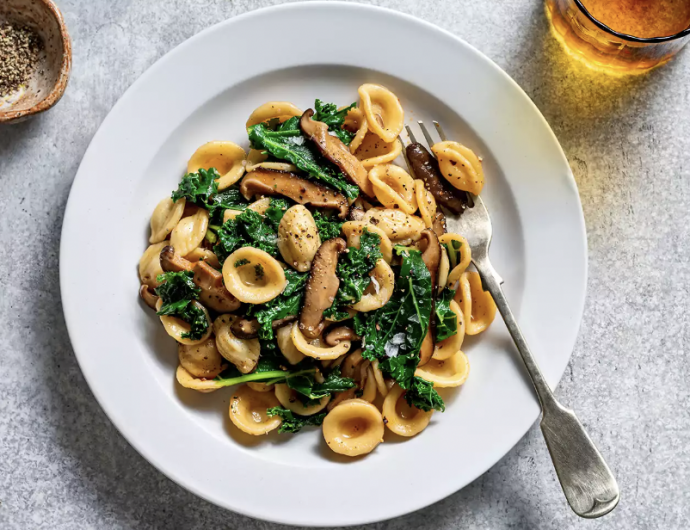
[(626, 36)]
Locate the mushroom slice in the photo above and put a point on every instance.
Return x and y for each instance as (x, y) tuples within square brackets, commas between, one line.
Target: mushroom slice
[(246, 328), (213, 292), (431, 253), (341, 333), (322, 287), (336, 151), (439, 224), (268, 182), (148, 296)]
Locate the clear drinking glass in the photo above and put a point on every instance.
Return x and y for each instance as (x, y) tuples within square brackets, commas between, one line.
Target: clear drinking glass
[(603, 48)]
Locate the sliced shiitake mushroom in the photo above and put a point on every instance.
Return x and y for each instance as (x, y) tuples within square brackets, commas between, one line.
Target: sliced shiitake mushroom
[(334, 336), (248, 328)]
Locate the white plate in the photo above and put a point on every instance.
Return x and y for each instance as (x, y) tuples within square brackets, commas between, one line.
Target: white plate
[(204, 90)]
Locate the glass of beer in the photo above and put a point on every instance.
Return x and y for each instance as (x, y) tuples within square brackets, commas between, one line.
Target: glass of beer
[(621, 36)]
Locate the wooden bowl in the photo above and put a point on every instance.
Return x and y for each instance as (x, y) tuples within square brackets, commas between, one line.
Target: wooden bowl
[(49, 80)]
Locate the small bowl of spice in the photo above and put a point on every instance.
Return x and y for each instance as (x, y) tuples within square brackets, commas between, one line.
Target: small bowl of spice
[(35, 58)]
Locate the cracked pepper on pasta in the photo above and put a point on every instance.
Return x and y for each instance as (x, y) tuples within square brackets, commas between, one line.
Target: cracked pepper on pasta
[(314, 276)]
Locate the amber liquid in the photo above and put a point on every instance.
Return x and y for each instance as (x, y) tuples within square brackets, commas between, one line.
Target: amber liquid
[(639, 18), (642, 18)]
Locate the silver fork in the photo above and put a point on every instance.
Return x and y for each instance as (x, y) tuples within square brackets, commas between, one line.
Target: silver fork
[(588, 484)]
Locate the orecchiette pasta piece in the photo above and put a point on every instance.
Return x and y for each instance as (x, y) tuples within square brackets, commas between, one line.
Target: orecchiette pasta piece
[(259, 207), (384, 113), (459, 256), (201, 360), (378, 376), (477, 305), (449, 373), (353, 231), (243, 353), (425, 202), (443, 269), (253, 276), (371, 150), (165, 217), (189, 232), (369, 389), (402, 418), (203, 254), (316, 348), (286, 346), (298, 238), (290, 400), (283, 110), (351, 363), (260, 387), (447, 347), (394, 187), (187, 380), (228, 158), (258, 159), (150, 265), (248, 411), (460, 166), (176, 327), (397, 225), (379, 291), (353, 428)]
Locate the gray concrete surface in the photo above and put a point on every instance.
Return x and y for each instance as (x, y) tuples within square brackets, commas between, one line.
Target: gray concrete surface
[(62, 463)]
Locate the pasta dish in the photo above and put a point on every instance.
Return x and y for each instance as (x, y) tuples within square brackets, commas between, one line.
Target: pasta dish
[(315, 276)]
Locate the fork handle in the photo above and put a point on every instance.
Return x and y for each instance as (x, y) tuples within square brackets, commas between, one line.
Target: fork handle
[(587, 481)]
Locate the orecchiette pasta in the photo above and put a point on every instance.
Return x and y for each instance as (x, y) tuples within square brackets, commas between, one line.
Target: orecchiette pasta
[(248, 411), (150, 265), (460, 166), (243, 353), (397, 225), (298, 238), (447, 347), (353, 231), (354, 427), (289, 399), (228, 158), (449, 373), (176, 327), (189, 232), (286, 346), (379, 291), (400, 417), (316, 347), (258, 159), (394, 187), (201, 360), (384, 113), (425, 202), (165, 217), (277, 282), (282, 110), (477, 306), (253, 276)]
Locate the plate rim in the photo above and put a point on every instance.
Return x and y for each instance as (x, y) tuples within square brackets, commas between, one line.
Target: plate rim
[(151, 71)]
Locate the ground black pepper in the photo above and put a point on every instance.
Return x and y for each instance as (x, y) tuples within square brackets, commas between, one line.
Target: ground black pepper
[(19, 52)]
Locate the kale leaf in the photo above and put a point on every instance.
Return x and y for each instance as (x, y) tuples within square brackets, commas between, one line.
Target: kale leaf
[(446, 320), (228, 199), (288, 143), (353, 270), (292, 422), (307, 387), (177, 292), (423, 396), (198, 187), (328, 228), (249, 229), (284, 305), (329, 114)]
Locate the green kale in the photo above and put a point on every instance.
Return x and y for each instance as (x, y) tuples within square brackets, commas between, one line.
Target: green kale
[(247, 229), (292, 422), (287, 143), (327, 227), (198, 187), (423, 396), (274, 213), (453, 250), (307, 387), (228, 199), (446, 320), (353, 270), (177, 293), (329, 114), (241, 262), (286, 304)]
